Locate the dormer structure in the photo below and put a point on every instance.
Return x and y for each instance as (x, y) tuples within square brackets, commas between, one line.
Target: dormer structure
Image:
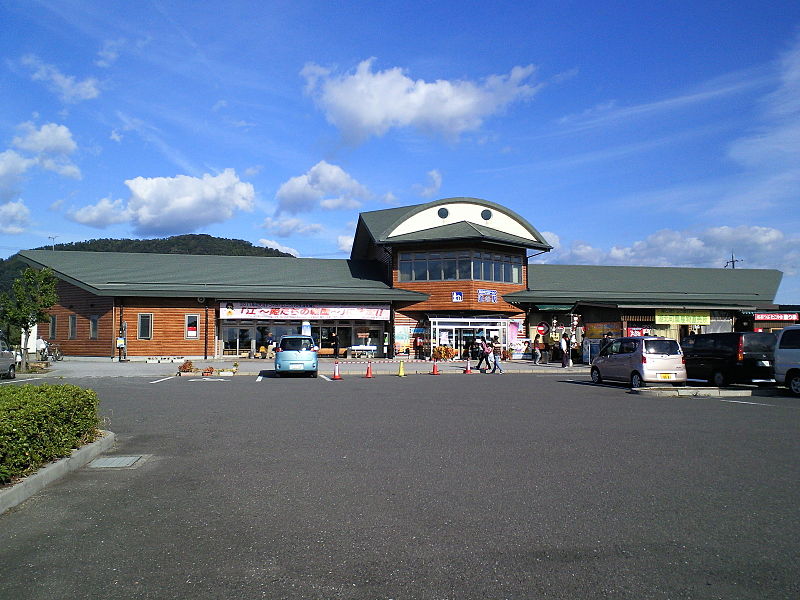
[(464, 253)]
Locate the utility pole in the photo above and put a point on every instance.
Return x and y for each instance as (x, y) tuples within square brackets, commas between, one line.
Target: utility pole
[(52, 239), (732, 262)]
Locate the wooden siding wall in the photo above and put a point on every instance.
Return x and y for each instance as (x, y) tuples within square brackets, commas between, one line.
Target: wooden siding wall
[(168, 326), (76, 301)]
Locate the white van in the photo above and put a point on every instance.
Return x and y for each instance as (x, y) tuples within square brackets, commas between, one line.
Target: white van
[(787, 358), (8, 360)]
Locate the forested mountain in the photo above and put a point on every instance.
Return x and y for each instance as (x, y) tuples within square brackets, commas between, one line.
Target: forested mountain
[(195, 243)]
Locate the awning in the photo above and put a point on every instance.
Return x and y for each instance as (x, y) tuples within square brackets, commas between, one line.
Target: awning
[(686, 306), (555, 307)]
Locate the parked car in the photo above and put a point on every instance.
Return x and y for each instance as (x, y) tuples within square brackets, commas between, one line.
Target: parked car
[(787, 358), (734, 357), (296, 354), (640, 360), (8, 360)]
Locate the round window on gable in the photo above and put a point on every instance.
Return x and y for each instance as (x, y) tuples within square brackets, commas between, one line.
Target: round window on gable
[(443, 212), (486, 214)]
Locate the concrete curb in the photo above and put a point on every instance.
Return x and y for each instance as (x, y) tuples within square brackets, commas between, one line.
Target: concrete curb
[(691, 392), (19, 492)]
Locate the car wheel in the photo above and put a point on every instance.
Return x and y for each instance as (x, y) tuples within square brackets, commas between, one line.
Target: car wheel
[(314, 374), (717, 379), (596, 377), (277, 374), (12, 372), (793, 383), (636, 380)]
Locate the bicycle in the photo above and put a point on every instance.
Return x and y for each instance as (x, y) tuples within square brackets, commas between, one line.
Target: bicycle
[(54, 352)]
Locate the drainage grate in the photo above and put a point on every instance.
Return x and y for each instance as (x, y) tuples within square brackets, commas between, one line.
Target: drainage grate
[(114, 462)]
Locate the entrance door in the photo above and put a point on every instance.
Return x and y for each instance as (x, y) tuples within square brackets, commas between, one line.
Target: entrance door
[(464, 338), (237, 339)]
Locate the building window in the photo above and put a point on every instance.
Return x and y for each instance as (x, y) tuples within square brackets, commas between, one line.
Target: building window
[(52, 332), (192, 328), (93, 327), (463, 265), (73, 327), (145, 331)]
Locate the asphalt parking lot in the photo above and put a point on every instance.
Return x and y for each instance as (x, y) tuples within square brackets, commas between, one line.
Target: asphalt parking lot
[(514, 486)]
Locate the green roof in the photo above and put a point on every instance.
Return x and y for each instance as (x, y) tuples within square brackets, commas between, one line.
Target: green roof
[(375, 226), (228, 277), (648, 286)]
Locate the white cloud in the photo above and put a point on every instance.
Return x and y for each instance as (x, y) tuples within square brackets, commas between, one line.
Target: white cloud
[(68, 88), (324, 185), (14, 217), (776, 146), (277, 246), (104, 213), (52, 144), (168, 205), (109, 53), (289, 226), (759, 247), (48, 139), (12, 169), (434, 184), (115, 136), (345, 243), (366, 103)]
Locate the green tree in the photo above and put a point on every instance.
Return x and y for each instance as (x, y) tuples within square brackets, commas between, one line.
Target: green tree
[(32, 295)]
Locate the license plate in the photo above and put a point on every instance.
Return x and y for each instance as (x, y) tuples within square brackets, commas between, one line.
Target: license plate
[(296, 366), (764, 363), (665, 375)]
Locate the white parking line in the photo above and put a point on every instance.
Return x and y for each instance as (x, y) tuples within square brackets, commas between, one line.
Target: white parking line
[(743, 402), (325, 377), (165, 379), (259, 378)]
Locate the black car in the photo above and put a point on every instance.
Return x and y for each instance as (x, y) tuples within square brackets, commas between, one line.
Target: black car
[(736, 357)]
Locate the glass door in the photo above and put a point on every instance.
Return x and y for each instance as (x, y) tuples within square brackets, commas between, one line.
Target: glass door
[(465, 336)]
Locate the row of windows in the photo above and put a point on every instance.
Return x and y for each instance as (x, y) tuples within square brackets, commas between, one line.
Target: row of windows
[(72, 327), (144, 327), (460, 265)]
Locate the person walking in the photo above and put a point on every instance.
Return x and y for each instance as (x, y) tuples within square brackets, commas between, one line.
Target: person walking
[(497, 352), (565, 350), (607, 339), (484, 351), (419, 345), (335, 343), (537, 349)]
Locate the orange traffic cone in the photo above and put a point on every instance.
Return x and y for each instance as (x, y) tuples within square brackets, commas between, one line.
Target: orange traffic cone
[(336, 376), (468, 370), (435, 368), (369, 370)]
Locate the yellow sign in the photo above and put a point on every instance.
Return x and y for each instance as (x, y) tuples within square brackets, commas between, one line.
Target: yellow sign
[(666, 316)]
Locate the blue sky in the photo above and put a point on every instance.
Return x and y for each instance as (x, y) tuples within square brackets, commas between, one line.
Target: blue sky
[(640, 133)]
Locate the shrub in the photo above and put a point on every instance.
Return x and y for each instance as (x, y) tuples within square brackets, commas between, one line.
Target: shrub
[(39, 424), (444, 353)]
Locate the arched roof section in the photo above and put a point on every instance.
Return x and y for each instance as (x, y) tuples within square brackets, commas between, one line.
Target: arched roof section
[(450, 219)]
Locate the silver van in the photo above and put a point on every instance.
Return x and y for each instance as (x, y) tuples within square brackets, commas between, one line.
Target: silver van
[(640, 360), (8, 360), (787, 358)]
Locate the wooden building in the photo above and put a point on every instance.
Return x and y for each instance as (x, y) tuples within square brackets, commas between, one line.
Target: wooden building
[(446, 271)]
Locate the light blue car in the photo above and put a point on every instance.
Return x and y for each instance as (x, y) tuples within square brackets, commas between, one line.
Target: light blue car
[(296, 354)]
